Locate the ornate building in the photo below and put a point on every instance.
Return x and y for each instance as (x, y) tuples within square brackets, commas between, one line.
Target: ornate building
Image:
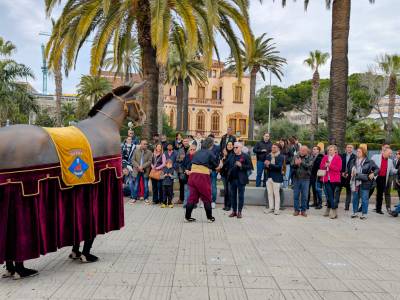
[(213, 107)]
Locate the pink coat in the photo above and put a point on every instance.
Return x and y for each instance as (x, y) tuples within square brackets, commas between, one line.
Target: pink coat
[(333, 172)]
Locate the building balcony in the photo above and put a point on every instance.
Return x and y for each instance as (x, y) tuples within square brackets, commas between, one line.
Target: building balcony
[(205, 102)]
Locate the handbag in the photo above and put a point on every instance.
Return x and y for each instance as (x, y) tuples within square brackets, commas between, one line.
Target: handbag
[(155, 174), (321, 173)]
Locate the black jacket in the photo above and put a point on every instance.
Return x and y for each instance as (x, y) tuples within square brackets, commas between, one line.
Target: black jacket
[(259, 147), (316, 165), (240, 173), (205, 158), (225, 140), (367, 168), (274, 171), (224, 170), (347, 168)]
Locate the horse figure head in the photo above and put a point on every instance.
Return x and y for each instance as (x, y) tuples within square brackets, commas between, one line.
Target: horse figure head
[(133, 107)]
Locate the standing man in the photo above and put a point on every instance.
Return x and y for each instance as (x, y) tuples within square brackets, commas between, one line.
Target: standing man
[(262, 149), (347, 162), (315, 181), (274, 164), (217, 153), (180, 170), (131, 134), (386, 169), (141, 162), (301, 166), (228, 137), (238, 166)]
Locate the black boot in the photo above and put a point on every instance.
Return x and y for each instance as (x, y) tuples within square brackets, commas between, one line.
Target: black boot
[(188, 214), (10, 270), (208, 209), (22, 272), (75, 253), (86, 257)]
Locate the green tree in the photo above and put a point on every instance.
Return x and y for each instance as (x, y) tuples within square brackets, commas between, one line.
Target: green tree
[(44, 119), (93, 88), (68, 111), (182, 69), (6, 47), (390, 66), (337, 106), (314, 61), (82, 108), (113, 22)]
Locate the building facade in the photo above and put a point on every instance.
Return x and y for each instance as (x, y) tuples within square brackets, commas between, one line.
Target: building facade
[(214, 106), (382, 108)]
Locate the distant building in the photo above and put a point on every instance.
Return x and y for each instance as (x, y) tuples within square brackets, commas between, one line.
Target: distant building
[(383, 105), (300, 118), (116, 80)]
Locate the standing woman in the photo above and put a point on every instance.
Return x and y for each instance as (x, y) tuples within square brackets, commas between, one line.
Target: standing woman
[(157, 164), (330, 168), (284, 149), (227, 152), (363, 171), (127, 149)]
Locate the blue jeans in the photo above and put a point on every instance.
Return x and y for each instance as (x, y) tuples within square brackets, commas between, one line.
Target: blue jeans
[(186, 197), (364, 194), (260, 173), (146, 186), (157, 191), (318, 189), (237, 189), (330, 189), (301, 188), (286, 178), (214, 186)]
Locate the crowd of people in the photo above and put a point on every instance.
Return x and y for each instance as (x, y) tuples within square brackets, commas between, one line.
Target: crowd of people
[(196, 163)]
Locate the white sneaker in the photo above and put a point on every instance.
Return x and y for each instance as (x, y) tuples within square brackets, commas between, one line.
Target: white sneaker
[(268, 211), (276, 212), (354, 216), (363, 217), (213, 205)]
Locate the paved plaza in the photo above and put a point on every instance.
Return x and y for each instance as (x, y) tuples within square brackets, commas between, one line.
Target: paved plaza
[(158, 256)]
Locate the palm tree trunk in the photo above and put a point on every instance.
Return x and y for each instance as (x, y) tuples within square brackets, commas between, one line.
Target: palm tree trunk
[(337, 105), (392, 103), (179, 104), (161, 80), (185, 108), (314, 106), (149, 67), (253, 80), (58, 83)]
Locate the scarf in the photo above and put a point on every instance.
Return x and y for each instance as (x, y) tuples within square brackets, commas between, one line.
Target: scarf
[(273, 156)]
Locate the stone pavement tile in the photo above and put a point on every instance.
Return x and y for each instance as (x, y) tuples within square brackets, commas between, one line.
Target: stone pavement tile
[(222, 270), (192, 293), (191, 259), (319, 272), (292, 283), (374, 296), (350, 273), (121, 292), (75, 291), (225, 258), (301, 294), (154, 268), (381, 275), (162, 258), (190, 280), (120, 279), (259, 269), (132, 258), (35, 291), (329, 284), (258, 282), (227, 294), (88, 278), (392, 287), (328, 295), (363, 286), (191, 269), (164, 279), (289, 271), (151, 293), (224, 281), (264, 294), (127, 267)]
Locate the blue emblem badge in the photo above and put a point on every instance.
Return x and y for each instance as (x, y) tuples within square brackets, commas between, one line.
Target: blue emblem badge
[(78, 167)]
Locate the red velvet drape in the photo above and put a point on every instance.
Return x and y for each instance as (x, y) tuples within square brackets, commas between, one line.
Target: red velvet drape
[(31, 226)]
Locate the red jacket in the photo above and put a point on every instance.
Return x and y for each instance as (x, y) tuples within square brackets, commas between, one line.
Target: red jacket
[(333, 172)]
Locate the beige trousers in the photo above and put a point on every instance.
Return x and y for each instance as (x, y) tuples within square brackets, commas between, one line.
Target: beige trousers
[(273, 194)]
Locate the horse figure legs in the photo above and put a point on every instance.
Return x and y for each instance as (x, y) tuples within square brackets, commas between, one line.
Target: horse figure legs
[(85, 255), (18, 271)]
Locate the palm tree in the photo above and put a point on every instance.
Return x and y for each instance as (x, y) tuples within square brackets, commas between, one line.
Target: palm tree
[(263, 57), (6, 47), (113, 22), (93, 88), (314, 61), (67, 113), (182, 68), (390, 66), (337, 103), (129, 62)]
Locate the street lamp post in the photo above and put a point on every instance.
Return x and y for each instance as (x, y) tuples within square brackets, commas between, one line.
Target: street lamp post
[(270, 99)]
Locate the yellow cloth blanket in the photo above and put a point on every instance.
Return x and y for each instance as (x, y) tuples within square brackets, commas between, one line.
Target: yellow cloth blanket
[(75, 155)]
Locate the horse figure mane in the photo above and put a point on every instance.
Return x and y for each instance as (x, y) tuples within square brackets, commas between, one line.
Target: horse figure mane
[(105, 99)]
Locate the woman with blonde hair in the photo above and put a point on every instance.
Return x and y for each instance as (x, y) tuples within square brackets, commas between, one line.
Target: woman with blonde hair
[(329, 171), (363, 172)]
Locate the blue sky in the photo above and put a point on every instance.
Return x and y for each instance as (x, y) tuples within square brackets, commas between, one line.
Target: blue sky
[(374, 30)]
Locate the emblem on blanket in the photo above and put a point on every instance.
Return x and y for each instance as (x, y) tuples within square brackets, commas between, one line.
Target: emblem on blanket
[(78, 167)]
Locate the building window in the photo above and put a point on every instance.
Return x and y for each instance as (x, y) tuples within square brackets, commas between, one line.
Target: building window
[(201, 121), (214, 73), (242, 126), (232, 124), (220, 93), (215, 120), (170, 91), (201, 92), (214, 95), (238, 95), (171, 118)]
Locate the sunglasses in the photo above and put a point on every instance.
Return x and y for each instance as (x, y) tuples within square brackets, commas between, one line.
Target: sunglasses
[(235, 147)]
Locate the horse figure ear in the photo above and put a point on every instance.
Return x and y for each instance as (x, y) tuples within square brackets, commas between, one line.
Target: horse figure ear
[(134, 90)]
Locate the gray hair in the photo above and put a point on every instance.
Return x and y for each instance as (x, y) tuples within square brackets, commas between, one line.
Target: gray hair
[(207, 143)]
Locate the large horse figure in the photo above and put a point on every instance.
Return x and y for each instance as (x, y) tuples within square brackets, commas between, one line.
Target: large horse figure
[(38, 212)]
